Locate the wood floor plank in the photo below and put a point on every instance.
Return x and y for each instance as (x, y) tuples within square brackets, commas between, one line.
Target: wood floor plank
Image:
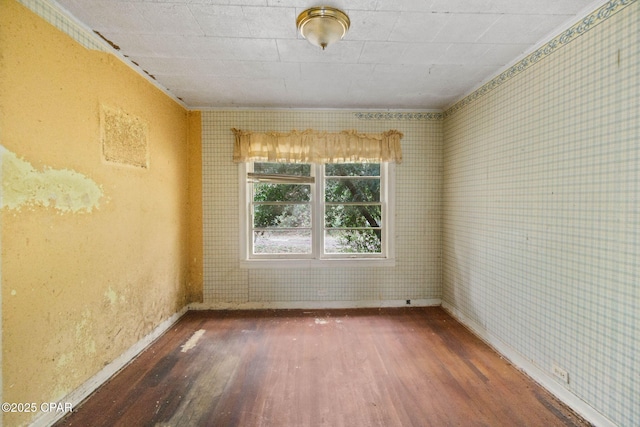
[(359, 367)]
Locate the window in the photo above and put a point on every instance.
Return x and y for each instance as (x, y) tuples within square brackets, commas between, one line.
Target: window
[(297, 214), (316, 198)]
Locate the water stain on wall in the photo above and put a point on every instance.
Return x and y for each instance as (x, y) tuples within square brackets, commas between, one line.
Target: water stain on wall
[(63, 189)]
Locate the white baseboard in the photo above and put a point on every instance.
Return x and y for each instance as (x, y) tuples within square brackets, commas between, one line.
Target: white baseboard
[(538, 375), (313, 305), (78, 395)]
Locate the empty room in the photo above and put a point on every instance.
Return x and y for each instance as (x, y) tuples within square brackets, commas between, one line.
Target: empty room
[(297, 213)]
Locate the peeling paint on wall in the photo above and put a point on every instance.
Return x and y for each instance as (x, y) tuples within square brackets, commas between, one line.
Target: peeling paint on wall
[(113, 300), (84, 336), (111, 295), (62, 189)]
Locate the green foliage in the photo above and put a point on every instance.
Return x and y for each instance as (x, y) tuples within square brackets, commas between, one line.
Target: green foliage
[(346, 183), (282, 215), (359, 241), (289, 215), (300, 169)]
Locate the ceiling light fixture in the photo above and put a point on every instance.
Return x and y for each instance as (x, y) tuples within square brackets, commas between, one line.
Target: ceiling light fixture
[(323, 25)]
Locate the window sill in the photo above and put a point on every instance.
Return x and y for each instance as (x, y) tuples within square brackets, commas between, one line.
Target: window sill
[(317, 263)]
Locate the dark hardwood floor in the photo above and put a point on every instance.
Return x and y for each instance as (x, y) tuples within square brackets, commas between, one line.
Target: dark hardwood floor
[(362, 367)]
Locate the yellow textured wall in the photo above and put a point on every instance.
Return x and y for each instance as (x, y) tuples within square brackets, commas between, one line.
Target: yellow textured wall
[(95, 253), (196, 274)]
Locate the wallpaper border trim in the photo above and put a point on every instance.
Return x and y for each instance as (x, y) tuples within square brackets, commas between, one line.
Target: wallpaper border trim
[(399, 116), (595, 18)]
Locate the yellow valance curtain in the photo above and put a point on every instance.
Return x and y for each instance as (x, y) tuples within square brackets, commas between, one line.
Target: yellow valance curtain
[(310, 146)]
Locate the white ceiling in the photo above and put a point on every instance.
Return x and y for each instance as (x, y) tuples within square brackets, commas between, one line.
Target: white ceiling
[(403, 54)]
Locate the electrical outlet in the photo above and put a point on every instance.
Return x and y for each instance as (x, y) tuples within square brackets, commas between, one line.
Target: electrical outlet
[(560, 373)]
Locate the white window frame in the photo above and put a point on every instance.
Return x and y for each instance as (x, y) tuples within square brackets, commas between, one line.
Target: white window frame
[(317, 258)]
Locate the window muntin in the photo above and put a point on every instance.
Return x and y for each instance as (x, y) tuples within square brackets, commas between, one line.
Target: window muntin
[(337, 211)]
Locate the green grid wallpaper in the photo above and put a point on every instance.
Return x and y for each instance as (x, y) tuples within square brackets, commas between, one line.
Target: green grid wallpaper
[(541, 213), (417, 274)]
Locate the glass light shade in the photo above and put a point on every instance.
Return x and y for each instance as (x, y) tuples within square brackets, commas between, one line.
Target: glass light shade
[(322, 26)]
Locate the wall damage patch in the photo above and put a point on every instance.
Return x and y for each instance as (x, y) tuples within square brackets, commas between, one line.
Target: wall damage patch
[(62, 189), (124, 138)]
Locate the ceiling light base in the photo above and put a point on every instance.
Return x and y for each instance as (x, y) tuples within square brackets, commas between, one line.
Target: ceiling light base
[(323, 25)]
